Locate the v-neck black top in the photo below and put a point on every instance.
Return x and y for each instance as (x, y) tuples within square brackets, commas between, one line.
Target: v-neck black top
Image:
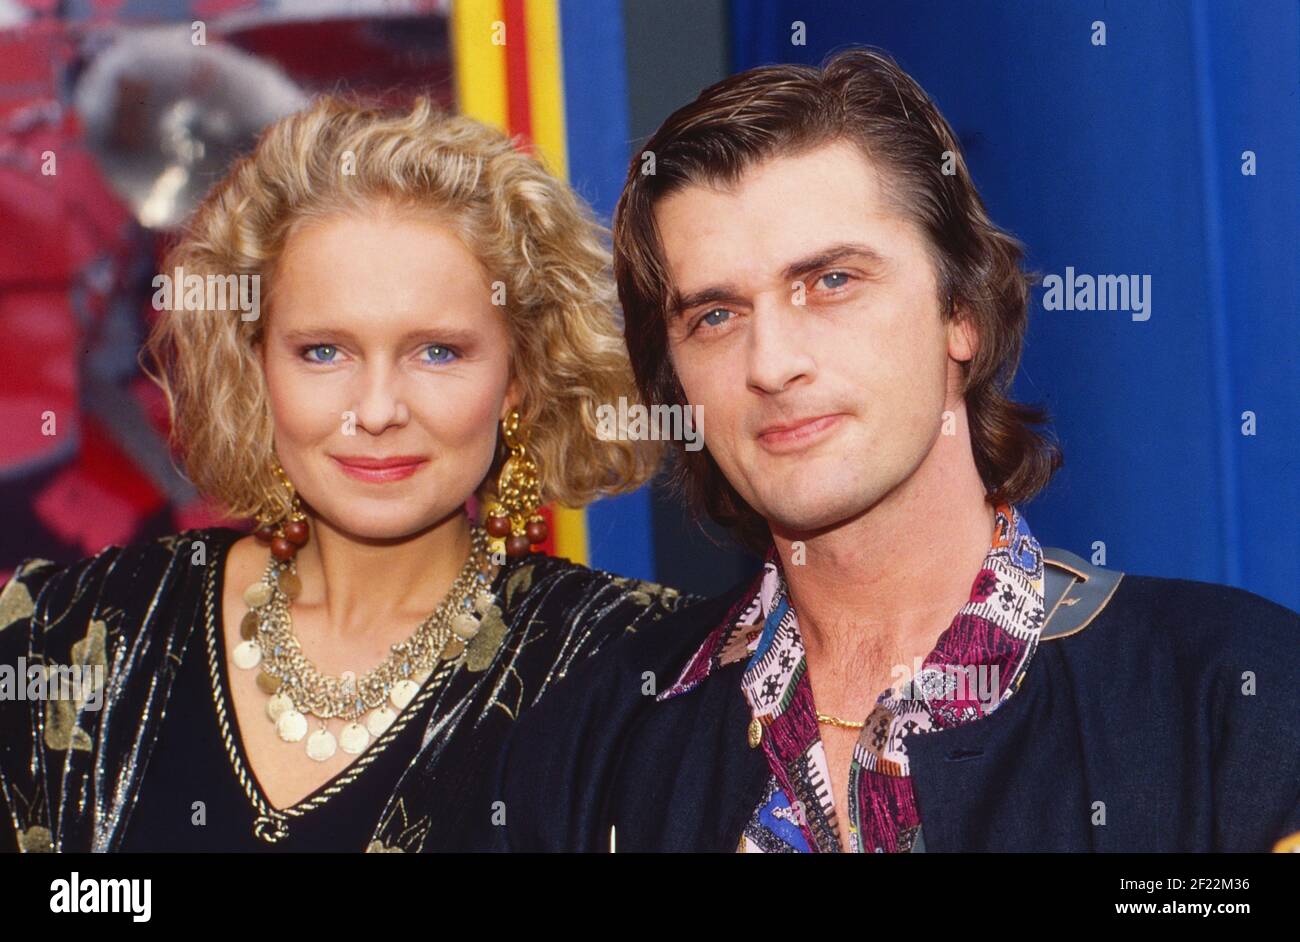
[(197, 761)]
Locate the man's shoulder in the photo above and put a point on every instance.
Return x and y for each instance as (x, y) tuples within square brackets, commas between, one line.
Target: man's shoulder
[(1192, 608), (1185, 626), (1212, 600), (1216, 667)]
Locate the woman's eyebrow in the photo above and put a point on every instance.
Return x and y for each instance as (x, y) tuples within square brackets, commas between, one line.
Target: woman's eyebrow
[(442, 334), (316, 334), (433, 334)]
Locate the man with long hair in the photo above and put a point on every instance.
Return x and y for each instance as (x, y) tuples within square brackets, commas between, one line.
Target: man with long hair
[(801, 253)]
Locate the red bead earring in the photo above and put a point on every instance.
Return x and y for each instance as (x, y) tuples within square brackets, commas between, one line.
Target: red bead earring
[(285, 532)]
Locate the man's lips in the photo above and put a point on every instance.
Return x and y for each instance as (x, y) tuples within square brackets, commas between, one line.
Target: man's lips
[(794, 435), (379, 469)]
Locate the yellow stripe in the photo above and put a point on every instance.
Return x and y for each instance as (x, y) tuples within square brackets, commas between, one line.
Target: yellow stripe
[(546, 84), (546, 105), (480, 65), (571, 534)]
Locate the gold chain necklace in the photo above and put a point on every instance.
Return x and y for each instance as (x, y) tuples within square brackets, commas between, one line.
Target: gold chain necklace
[(297, 689), (827, 720)]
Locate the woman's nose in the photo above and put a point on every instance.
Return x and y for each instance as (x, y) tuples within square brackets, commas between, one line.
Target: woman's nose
[(381, 404)]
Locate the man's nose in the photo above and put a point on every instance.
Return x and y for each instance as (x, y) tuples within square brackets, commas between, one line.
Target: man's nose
[(778, 344)]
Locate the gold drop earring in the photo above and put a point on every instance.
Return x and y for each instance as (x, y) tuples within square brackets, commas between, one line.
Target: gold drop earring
[(512, 518)]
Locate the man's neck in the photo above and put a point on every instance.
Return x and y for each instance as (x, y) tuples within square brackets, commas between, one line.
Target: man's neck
[(877, 591)]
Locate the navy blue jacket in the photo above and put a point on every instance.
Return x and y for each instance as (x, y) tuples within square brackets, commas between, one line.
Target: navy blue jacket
[(1136, 729)]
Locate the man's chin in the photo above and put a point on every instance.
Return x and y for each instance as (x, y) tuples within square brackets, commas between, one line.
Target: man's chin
[(810, 514)]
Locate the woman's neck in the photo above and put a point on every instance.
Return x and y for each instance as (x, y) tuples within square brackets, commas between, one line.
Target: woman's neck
[(355, 583)]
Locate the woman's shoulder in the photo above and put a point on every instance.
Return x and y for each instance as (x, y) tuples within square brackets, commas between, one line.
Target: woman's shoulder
[(572, 609), (555, 582), (117, 578), (550, 613)]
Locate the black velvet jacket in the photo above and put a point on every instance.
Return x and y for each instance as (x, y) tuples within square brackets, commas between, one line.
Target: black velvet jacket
[(70, 773), (1158, 715)]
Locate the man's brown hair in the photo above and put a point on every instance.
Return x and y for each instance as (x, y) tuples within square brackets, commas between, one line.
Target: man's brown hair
[(861, 96)]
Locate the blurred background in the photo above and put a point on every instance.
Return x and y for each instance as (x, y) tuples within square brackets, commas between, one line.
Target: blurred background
[(1153, 137)]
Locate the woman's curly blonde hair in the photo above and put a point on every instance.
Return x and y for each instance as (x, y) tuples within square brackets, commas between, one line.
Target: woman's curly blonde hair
[(528, 229)]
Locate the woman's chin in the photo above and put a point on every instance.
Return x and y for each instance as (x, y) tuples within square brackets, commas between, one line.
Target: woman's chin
[(384, 526)]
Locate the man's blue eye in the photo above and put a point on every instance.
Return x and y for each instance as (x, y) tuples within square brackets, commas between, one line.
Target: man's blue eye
[(437, 353), (327, 353), (834, 274), (710, 317)]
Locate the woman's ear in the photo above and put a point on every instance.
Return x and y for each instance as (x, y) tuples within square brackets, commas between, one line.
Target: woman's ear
[(513, 398)]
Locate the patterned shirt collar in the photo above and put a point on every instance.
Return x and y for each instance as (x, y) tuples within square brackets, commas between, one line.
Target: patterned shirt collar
[(750, 622), (732, 640)]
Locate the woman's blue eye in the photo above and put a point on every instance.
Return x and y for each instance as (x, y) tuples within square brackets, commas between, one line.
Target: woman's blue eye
[(437, 353), (834, 274), (327, 353)]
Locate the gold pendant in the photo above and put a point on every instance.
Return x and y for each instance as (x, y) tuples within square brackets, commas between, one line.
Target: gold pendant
[(755, 733)]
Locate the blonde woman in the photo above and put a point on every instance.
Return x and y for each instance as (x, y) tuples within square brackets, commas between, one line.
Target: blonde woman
[(431, 322)]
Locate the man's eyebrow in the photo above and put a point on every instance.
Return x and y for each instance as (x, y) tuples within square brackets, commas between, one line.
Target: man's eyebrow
[(820, 259), (829, 256), (712, 295)]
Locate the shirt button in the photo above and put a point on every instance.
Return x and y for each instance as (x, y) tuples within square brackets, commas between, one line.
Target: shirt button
[(755, 733)]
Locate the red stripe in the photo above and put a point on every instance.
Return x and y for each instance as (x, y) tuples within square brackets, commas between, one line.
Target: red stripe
[(518, 113)]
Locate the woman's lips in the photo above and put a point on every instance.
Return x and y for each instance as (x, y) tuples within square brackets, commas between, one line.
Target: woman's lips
[(799, 434), (379, 470)]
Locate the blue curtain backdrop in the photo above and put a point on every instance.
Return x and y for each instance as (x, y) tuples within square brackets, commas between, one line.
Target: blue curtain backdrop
[(1127, 159)]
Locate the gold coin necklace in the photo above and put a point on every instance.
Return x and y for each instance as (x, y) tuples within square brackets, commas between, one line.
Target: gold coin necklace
[(298, 690)]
